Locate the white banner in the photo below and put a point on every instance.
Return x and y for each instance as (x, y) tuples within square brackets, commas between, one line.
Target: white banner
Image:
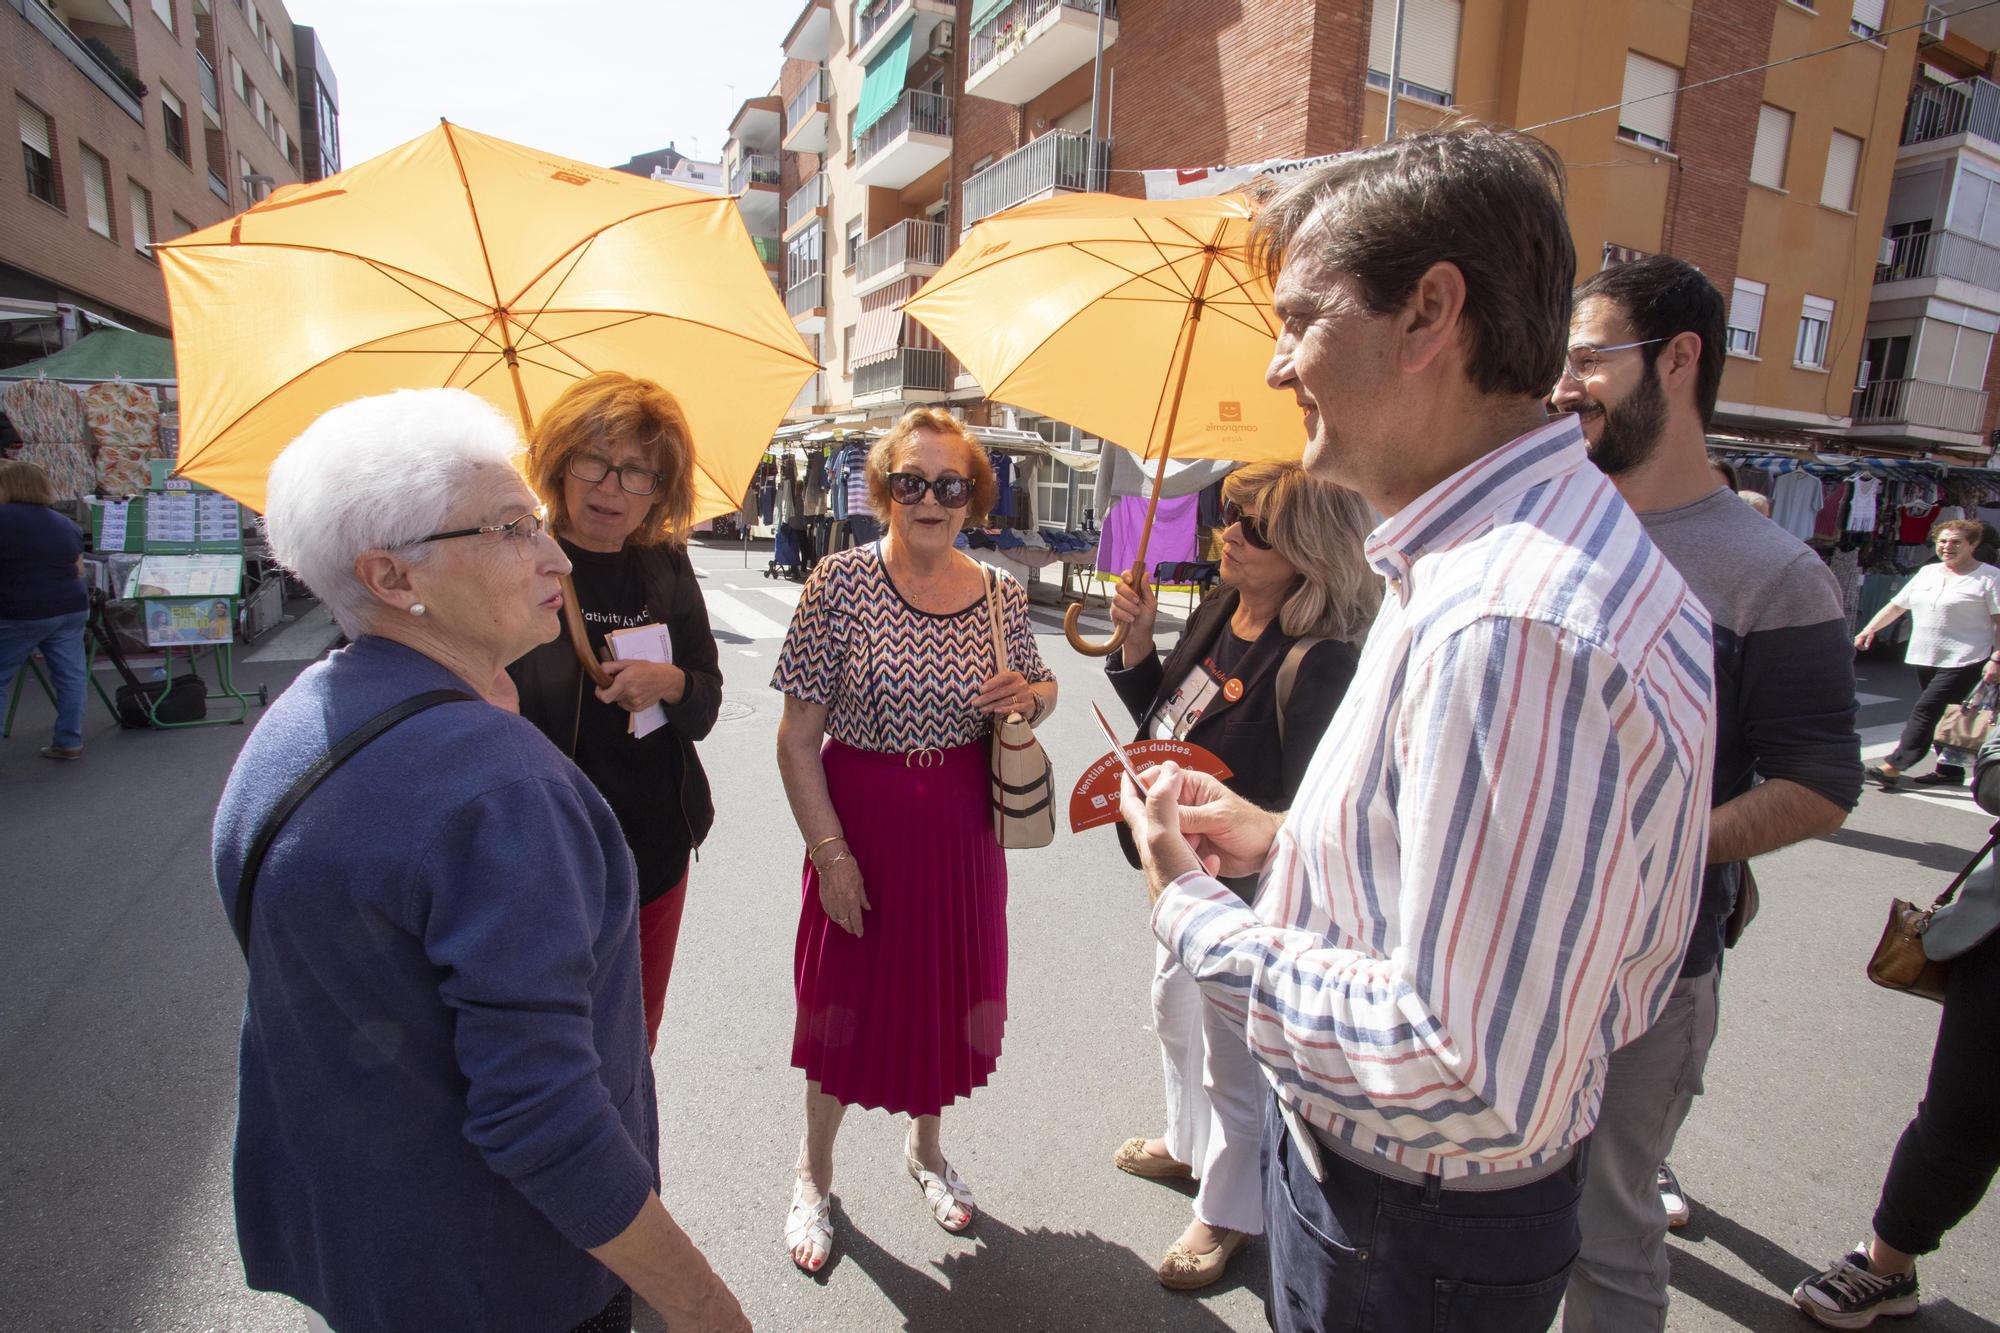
[(1187, 182)]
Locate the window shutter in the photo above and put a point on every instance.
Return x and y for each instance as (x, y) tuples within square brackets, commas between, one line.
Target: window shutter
[(1430, 42), (142, 216), (1843, 168), (1774, 141), (1746, 309), (35, 130), (1648, 105), (1868, 13), (172, 103), (96, 199)]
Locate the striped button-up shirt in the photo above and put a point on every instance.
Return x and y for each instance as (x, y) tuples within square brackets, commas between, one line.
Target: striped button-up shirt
[(1484, 885)]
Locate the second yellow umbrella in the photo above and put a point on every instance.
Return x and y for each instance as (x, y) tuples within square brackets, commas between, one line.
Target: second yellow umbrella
[(1143, 322)]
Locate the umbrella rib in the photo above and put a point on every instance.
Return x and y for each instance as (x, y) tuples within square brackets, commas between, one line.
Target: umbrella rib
[(472, 208), (380, 266), (543, 308), (934, 287), (1182, 293), (545, 341), (587, 369)]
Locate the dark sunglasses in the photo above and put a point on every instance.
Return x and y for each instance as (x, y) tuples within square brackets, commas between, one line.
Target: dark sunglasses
[(1253, 527), (907, 488)]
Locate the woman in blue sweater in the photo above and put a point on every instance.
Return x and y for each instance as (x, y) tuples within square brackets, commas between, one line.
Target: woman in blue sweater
[(445, 1113), (42, 601)]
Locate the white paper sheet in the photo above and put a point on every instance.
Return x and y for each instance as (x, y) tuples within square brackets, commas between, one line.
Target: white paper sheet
[(643, 643)]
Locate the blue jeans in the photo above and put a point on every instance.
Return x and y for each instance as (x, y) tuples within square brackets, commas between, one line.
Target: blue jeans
[(61, 640), (1362, 1253)]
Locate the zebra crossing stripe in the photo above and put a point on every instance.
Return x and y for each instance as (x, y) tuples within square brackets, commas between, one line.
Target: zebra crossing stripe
[(739, 617)]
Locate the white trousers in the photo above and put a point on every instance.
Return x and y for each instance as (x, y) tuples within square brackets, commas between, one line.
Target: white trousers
[(1215, 1100)]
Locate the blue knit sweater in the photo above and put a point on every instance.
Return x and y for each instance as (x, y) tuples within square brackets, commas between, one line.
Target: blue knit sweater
[(444, 1089)]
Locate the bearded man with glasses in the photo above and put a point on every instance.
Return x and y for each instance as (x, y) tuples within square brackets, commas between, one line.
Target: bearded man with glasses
[(1642, 373), (614, 465)]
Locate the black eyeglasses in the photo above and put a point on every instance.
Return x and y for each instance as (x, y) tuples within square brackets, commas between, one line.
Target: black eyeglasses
[(907, 488), (1253, 526), (632, 480), (519, 533)]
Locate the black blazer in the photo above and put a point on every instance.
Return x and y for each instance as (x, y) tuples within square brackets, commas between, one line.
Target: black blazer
[(551, 680), (1244, 733)]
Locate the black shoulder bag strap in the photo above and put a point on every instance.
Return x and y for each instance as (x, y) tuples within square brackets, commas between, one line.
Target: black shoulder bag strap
[(340, 753)]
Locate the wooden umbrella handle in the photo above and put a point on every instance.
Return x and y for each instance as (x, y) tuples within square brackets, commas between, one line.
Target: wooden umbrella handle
[(1110, 645), (579, 637)]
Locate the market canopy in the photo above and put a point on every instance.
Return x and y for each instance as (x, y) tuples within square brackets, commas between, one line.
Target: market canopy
[(108, 354)]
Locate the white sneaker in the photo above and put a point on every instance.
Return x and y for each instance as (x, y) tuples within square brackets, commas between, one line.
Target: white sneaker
[(1672, 1199)]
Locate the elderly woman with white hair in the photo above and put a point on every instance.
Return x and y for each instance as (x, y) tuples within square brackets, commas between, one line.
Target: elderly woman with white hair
[(445, 1113)]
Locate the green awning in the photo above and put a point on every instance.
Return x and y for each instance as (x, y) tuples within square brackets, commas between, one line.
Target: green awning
[(108, 354), (883, 83), (983, 10)]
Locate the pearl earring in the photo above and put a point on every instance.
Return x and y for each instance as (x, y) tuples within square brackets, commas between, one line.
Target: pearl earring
[(416, 608)]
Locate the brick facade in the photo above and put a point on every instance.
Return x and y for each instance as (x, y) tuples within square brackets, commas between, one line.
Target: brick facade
[(1714, 133), (51, 254)]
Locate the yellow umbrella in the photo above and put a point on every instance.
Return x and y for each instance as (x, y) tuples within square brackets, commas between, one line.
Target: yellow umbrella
[(466, 261), (1144, 322)]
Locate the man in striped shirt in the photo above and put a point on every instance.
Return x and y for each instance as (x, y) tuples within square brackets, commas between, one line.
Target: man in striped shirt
[(1485, 884)]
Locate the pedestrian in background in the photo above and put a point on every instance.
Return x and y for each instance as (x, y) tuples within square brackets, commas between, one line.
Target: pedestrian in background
[(445, 1115), (1254, 680), (1642, 374), (613, 463), (891, 684), (1757, 501), (43, 604), (1954, 610), (1485, 882), (1944, 1162)]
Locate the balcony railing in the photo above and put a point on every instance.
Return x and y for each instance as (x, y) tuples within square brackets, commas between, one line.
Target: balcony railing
[(806, 294), (926, 369), (110, 80), (873, 18), (1941, 254), (754, 169), (1009, 27), (1970, 106), (915, 112), (804, 200), (818, 88), (1920, 403), (1059, 160), (209, 97), (910, 242)]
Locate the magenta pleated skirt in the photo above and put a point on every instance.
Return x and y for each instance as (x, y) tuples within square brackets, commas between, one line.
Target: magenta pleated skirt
[(909, 1016)]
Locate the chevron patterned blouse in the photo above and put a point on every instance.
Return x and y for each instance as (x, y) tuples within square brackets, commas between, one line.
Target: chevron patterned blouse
[(894, 678)]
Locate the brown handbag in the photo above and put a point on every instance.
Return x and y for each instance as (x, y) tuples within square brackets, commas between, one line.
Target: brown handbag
[(1965, 726), (1024, 807), (1899, 961)]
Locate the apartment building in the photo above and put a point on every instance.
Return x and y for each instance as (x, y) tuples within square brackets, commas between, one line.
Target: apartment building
[(139, 120), (907, 121)]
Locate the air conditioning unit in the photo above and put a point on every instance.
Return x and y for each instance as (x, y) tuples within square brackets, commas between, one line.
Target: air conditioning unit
[(941, 40), (1934, 26)]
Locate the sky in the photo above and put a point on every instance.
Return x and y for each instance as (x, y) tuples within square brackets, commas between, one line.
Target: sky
[(595, 80)]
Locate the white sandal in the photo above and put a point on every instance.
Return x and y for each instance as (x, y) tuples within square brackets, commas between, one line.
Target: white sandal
[(942, 1193), (810, 1225)]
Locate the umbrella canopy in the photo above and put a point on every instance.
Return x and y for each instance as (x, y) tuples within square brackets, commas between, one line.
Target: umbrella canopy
[(465, 261), (1106, 312), (108, 354), (1144, 321)]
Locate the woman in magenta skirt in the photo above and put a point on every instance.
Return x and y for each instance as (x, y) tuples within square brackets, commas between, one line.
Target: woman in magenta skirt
[(890, 682)]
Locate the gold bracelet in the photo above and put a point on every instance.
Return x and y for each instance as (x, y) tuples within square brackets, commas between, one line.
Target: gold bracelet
[(812, 852)]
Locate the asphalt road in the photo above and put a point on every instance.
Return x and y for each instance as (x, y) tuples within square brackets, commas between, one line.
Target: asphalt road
[(120, 990)]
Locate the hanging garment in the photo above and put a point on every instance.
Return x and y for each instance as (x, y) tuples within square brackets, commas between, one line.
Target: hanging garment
[(1003, 496), (72, 475), (1915, 528), (122, 416), (1861, 509), (122, 470), (1826, 527), (1795, 503), (1173, 533), (815, 485), (44, 410)]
